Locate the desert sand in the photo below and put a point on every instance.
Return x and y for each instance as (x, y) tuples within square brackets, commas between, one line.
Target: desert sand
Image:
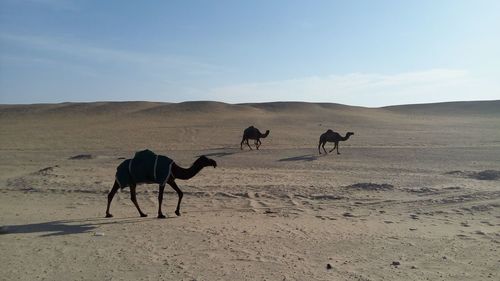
[(414, 194)]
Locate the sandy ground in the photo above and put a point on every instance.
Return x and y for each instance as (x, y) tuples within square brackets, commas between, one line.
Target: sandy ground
[(414, 194)]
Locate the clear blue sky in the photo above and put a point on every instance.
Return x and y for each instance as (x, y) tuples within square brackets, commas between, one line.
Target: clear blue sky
[(369, 53)]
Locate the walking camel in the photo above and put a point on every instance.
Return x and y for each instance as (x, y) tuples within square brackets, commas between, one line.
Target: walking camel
[(331, 136), (252, 133), (148, 167)]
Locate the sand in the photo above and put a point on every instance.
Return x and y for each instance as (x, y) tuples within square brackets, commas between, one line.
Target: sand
[(414, 194)]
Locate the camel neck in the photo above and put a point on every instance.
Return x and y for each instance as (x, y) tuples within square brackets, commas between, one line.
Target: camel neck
[(346, 137), (185, 174)]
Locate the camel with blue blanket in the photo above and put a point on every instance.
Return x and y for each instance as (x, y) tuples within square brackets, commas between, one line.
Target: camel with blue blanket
[(148, 167)]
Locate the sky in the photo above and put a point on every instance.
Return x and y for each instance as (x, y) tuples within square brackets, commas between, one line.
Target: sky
[(366, 53)]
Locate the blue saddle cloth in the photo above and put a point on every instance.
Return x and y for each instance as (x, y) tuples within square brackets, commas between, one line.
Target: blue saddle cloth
[(145, 167)]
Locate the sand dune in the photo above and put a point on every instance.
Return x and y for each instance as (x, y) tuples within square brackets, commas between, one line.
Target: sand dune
[(480, 108), (414, 194)]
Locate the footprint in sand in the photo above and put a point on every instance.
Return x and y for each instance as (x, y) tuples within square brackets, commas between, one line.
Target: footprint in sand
[(253, 203), (487, 223), (465, 237), (325, 218), (348, 215)]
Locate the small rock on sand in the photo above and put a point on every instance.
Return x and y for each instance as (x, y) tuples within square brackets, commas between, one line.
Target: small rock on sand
[(328, 266), (395, 263)]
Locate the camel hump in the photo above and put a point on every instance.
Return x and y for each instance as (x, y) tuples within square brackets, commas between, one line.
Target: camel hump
[(250, 130), (144, 154), (329, 131), (145, 167)]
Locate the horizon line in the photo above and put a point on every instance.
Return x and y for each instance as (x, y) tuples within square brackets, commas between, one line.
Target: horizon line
[(243, 103)]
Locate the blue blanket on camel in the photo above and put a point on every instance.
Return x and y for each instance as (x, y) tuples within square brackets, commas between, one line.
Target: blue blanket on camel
[(145, 167)]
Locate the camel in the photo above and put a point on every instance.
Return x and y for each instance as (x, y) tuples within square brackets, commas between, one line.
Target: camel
[(252, 133), (155, 169), (331, 136)]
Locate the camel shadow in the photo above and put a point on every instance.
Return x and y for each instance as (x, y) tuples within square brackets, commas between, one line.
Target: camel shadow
[(217, 154), (65, 227), (306, 157), (50, 228)]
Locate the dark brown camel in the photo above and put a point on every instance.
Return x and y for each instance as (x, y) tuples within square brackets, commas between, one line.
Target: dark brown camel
[(331, 136), (252, 133), (176, 172)]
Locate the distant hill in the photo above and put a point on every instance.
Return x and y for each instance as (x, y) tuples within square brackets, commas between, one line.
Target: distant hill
[(450, 108), (200, 107), (208, 124)]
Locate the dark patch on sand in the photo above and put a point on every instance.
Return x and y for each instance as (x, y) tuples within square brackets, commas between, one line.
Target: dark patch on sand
[(421, 190), (489, 175), (217, 154), (371, 186), (45, 171), (325, 197), (81, 157), (307, 157)]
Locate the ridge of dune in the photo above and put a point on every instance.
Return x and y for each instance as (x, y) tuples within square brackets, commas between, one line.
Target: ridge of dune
[(144, 107), (449, 108)]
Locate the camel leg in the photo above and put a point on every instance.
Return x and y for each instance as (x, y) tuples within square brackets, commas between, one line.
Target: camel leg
[(241, 144), (249, 145), (160, 199), (335, 146), (258, 143), (134, 200), (324, 148), (111, 194), (179, 193)]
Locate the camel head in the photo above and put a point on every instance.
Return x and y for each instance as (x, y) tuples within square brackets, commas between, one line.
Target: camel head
[(349, 134), (266, 134), (205, 161)]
